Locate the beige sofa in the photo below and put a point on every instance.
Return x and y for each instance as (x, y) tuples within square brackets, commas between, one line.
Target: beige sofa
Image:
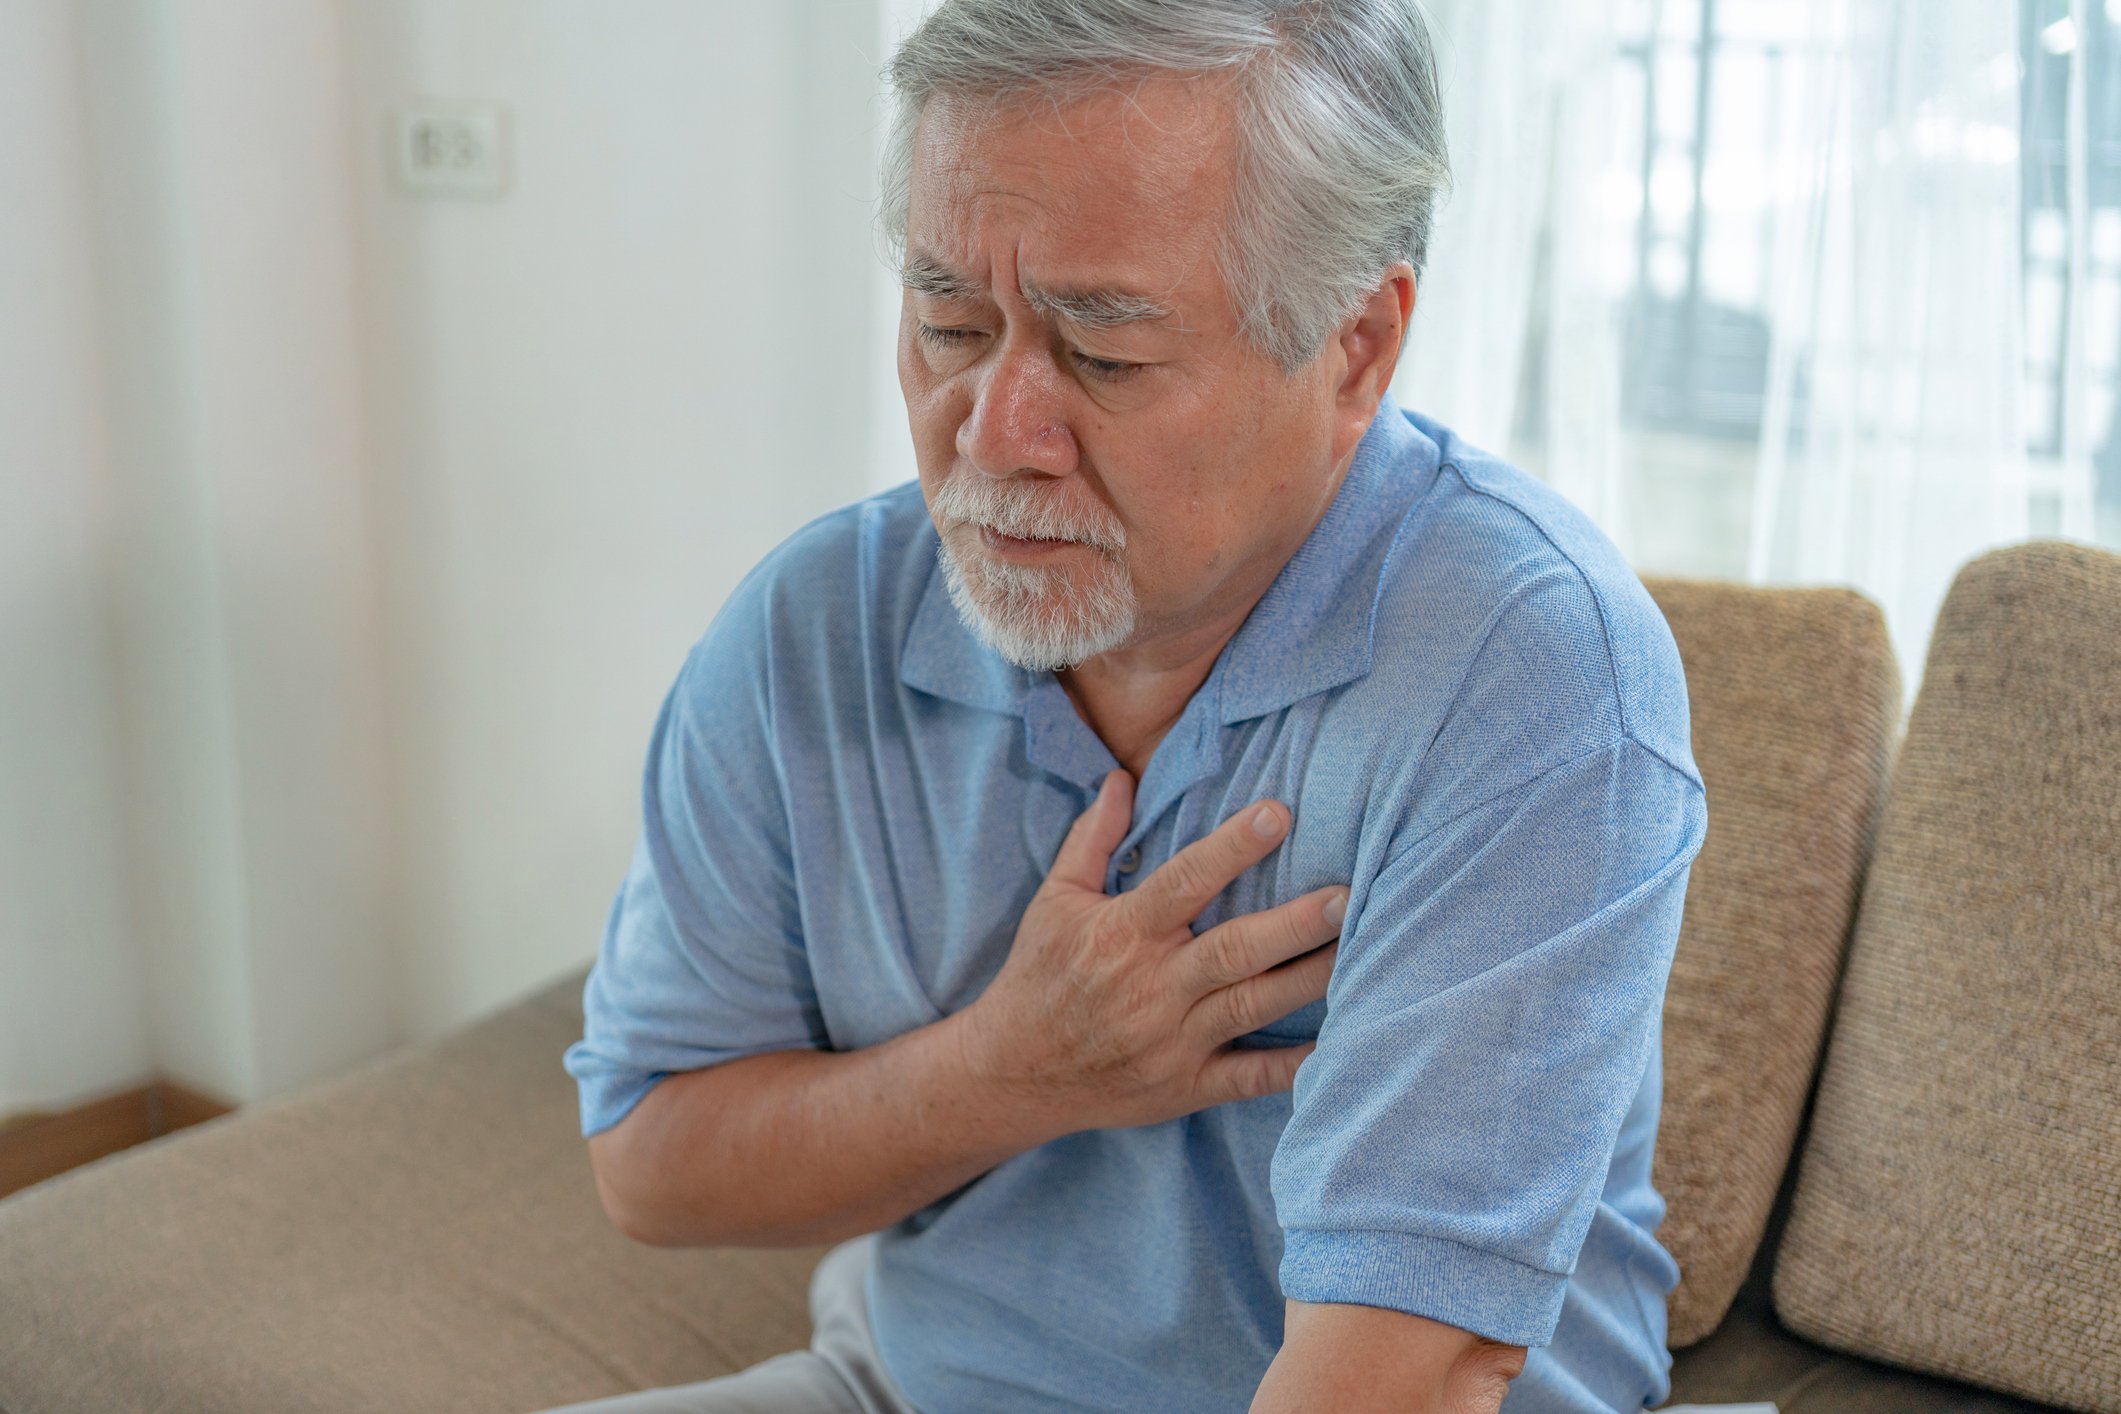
[(1891, 1139)]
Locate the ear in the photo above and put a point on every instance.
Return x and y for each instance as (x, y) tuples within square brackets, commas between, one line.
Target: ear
[(1368, 346)]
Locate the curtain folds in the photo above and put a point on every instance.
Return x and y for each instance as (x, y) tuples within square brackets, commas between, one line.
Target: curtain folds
[(1818, 291)]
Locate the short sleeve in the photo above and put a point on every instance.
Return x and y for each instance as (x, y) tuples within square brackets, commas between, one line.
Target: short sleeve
[(702, 958), (1493, 1009)]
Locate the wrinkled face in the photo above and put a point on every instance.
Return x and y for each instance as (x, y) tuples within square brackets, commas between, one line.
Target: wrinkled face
[(1107, 461)]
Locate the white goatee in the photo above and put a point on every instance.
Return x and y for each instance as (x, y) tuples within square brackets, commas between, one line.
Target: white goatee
[(1035, 616)]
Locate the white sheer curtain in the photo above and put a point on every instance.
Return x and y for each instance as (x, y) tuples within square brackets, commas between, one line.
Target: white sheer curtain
[(1789, 291)]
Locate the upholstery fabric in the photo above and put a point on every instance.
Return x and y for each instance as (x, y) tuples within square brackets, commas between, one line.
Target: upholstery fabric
[(422, 1234), (1958, 1207), (1795, 697), (1752, 1357)]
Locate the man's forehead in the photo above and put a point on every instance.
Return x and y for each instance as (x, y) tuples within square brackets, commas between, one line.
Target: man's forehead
[(1113, 202), (1100, 301)]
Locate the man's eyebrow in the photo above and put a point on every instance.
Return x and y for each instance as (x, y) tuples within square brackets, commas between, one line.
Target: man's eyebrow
[(1091, 308), (924, 277), (1099, 309)]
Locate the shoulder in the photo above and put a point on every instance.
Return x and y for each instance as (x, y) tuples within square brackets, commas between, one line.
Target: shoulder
[(1524, 620), (813, 623), (855, 557), (848, 579)]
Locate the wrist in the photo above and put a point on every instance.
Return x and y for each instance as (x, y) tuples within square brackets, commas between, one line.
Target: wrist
[(996, 1079)]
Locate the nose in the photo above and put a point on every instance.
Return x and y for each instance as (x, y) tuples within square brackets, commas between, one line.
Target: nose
[(1017, 421)]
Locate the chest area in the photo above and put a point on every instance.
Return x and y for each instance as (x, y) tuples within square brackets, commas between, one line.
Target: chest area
[(912, 884)]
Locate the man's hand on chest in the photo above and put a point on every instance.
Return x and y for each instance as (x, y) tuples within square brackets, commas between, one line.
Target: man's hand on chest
[(1111, 1009)]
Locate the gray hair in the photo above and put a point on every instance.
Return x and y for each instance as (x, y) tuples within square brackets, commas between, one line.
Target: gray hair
[(1339, 129)]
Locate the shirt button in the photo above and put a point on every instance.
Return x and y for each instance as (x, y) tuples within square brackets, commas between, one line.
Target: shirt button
[(1130, 861)]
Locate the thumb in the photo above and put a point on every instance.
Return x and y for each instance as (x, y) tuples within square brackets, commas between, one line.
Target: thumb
[(1095, 834)]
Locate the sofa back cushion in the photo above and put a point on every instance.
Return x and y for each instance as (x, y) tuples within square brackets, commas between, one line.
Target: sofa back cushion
[(1795, 698), (1958, 1203)]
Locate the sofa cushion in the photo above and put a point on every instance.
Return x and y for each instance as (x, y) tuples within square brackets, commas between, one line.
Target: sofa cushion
[(421, 1234), (1753, 1358), (1795, 698), (1958, 1204)]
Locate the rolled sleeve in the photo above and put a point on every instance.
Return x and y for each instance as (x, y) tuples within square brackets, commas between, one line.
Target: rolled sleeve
[(702, 958), (1494, 1006)]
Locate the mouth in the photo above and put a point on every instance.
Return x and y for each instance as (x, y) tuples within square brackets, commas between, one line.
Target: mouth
[(999, 543)]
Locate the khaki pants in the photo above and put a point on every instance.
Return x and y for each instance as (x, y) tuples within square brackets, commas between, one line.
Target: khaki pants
[(839, 1374)]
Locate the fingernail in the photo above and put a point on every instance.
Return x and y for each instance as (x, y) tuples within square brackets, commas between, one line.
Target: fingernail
[(1265, 823), (1336, 909)]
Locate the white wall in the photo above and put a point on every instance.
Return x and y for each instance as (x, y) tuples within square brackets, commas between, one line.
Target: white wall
[(598, 402), (71, 1014), (251, 735), (350, 539)]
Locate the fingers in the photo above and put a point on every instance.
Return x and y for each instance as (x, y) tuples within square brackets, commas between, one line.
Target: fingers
[(1244, 1007), (1178, 889), (1249, 1074), (1095, 834), (1251, 943)]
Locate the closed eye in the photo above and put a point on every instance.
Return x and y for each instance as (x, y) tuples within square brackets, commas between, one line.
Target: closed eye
[(941, 338), (1105, 369)]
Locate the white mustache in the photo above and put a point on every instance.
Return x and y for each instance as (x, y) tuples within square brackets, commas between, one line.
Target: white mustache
[(1013, 508)]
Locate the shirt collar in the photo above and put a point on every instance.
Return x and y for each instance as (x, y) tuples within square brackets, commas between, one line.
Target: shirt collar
[(943, 658), (1312, 631), (1315, 627)]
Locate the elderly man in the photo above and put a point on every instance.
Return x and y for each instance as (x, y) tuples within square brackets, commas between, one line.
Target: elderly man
[(1183, 896)]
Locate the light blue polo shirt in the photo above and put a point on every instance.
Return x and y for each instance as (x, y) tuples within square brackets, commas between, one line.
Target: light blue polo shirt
[(1479, 719)]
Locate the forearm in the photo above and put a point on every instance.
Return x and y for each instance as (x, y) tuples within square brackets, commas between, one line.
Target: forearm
[(799, 1147)]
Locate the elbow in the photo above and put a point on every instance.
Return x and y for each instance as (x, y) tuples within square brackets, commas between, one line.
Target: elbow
[(655, 1225), (654, 1200), (655, 1220), (1481, 1375), (619, 1197), (624, 1216)]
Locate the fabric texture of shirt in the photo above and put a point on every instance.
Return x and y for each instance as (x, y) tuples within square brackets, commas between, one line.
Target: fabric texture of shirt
[(1479, 720)]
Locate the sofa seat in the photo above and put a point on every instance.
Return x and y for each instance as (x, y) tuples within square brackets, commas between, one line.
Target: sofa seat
[(420, 1234)]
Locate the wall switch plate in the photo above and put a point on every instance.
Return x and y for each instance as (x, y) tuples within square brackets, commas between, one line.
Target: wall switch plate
[(455, 149)]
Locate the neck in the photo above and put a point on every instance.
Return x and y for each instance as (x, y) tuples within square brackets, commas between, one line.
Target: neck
[(1131, 696)]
